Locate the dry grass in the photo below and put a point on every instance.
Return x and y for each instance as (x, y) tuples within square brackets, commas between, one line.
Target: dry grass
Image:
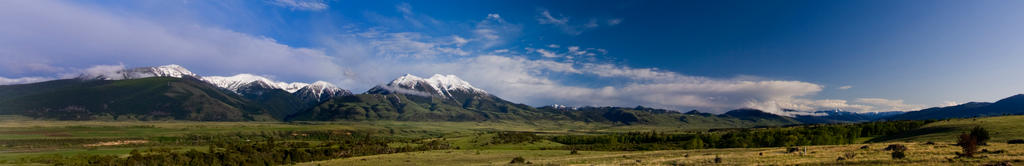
[(919, 154)]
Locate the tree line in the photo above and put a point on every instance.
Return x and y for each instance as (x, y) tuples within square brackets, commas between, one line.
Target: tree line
[(832, 134), (266, 151)]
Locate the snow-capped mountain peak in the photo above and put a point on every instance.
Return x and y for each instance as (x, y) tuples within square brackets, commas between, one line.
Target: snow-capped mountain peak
[(451, 82), (439, 85), (237, 81), (320, 91), (407, 80), (171, 70)]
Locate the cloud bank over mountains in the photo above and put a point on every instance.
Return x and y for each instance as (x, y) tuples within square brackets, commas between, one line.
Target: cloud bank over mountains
[(37, 45)]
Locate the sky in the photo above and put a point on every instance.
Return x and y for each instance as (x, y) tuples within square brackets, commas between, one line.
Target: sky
[(713, 56)]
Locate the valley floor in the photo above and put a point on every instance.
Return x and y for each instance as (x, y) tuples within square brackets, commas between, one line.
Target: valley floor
[(26, 141), (941, 153)]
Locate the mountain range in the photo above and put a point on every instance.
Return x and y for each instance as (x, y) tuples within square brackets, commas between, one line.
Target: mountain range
[(1013, 105), (173, 92)]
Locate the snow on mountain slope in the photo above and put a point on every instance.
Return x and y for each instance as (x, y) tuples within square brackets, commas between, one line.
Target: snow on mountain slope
[(316, 91), (171, 70), (439, 85), (320, 91), (235, 82)]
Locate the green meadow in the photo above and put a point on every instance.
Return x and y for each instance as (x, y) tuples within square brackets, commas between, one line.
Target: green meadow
[(24, 141)]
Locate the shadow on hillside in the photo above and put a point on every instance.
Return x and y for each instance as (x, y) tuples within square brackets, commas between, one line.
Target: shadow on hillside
[(912, 133)]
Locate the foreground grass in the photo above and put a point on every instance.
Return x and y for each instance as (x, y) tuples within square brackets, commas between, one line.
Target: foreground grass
[(919, 154), (68, 138), (1001, 128)]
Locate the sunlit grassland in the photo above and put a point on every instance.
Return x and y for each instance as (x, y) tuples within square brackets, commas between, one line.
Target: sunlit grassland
[(1002, 128), (474, 142), (919, 154)]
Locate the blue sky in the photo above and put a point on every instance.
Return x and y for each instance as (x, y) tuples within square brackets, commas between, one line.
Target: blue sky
[(707, 55)]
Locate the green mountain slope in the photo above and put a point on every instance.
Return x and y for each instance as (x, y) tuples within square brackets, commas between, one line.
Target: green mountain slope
[(417, 108), (401, 107), (1001, 128), (145, 99)]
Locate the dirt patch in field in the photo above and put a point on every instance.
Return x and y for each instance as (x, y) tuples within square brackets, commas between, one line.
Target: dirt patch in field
[(115, 143)]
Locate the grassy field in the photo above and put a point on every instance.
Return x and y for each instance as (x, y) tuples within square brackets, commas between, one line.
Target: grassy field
[(1002, 128), (919, 154), (21, 138)]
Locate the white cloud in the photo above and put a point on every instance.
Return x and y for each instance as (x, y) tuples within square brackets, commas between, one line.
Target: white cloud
[(520, 79), (562, 22), (546, 18), (494, 16), (949, 103), (109, 71), (459, 41), (534, 81), (575, 50), (22, 80), (891, 105), (591, 24), (845, 87), (613, 22), (311, 5), (490, 31), (547, 54), (553, 46)]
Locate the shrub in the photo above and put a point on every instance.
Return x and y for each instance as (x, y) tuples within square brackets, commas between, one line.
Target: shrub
[(1015, 141), (849, 155), (898, 155), (792, 149), (896, 148), (898, 151), (980, 134), (518, 160), (865, 147), (574, 152), (718, 159), (969, 143)]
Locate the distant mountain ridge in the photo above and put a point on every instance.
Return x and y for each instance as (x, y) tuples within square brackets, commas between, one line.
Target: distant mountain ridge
[(1013, 105), (839, 116), (448, 98), (256, 93)]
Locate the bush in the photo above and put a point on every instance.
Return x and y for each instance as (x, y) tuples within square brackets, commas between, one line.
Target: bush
[(896, 148), (980, 134), (969, 143), (1015, 141), (518, 160), (574, 152), (898, 151), (718, 159), (849, 155), (865, 147), (898, 155)]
